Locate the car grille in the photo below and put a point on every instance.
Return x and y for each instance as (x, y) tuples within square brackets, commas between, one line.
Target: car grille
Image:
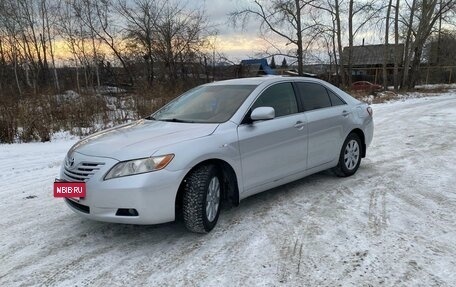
[(83, 171)]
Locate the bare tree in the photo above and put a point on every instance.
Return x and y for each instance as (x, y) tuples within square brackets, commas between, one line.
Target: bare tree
[(360, 16), (386, 48), (106, 19), (85, 12), (351, 15), (408, 41), (396, 45), (71, 29), (441, 48), (11, 31), (180, 34), (49, 20), (141, 17), (334, 29), (34, 43), (2, 63), (284, 18), (13, 56), (430, 12), (337, 14)]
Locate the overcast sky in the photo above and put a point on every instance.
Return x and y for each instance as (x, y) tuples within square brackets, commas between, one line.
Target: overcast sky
[(235, 42), (238, 43)]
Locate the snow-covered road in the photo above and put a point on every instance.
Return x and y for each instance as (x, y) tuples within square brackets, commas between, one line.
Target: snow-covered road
[(392, 224)]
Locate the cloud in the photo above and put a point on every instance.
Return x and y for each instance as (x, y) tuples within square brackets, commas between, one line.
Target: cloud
[(236, 42), (241, 46)]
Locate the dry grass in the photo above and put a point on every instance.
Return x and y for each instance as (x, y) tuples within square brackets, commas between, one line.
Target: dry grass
[(36, 118), (386, 96), (375, 97), (443, 88)]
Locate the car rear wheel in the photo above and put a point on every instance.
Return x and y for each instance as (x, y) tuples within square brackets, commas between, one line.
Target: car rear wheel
[(350, 156), (202, 199)]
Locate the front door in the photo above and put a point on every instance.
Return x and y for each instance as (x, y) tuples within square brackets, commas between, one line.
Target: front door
[(327, 115), (276, 148)]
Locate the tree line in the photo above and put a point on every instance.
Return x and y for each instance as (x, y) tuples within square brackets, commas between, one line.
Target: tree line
[(159, 48), (312, 26), (149, 39), (160, 41)]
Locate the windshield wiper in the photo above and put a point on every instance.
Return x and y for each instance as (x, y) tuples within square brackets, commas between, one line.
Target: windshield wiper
[(174, 120)]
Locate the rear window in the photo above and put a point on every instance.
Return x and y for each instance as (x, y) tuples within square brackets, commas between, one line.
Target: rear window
[(313, 96), (335, 100)]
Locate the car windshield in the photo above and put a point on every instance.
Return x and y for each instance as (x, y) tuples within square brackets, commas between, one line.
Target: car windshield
[(205, 104)]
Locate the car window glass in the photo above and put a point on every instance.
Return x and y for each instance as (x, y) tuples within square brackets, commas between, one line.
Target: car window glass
[(205, 104), (281, 97), (335, 100), (313, 96)]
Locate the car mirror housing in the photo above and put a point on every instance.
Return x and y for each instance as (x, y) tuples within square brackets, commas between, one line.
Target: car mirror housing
[(262, 113)]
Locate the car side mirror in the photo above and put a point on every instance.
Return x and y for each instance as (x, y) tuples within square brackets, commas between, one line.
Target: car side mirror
[(262, 113)]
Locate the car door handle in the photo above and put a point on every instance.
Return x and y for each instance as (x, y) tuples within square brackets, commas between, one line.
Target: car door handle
[(299, 125), (345, 113)]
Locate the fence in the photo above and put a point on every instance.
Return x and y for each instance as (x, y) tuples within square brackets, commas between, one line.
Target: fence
[(427, 75)]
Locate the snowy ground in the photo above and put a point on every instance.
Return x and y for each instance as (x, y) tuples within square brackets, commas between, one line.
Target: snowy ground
[(392, 224)]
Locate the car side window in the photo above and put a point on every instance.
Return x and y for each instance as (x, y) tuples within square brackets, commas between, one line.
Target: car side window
[(313, 96), (335, 100), (281, 97)]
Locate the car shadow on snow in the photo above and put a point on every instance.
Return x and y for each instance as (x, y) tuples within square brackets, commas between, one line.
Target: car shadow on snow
[(229, 217), (252, 201)]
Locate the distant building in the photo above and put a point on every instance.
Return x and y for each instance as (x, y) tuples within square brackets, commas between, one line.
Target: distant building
[(255, 67), (367, 60)]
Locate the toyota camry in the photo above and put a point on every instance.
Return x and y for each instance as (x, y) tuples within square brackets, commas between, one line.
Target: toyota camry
[(217, 143)]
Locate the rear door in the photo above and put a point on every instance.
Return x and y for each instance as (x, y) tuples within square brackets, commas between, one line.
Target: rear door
[(327, 115), (276, 148)]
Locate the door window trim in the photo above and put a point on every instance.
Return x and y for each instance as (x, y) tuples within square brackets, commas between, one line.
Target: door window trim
[(327, 93), (335, 94), (298, 102)]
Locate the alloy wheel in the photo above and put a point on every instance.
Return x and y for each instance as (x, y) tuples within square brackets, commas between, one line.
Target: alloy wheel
[(351, 155), (213, 199)]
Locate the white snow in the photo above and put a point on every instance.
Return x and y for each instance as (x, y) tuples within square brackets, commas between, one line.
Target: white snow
[(103, 90), (434, 86), (393, 223)]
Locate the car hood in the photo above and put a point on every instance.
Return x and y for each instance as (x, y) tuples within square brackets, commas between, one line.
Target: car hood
[(139, 139)]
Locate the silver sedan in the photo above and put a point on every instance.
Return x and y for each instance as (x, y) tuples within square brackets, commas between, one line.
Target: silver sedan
[(217, 143)]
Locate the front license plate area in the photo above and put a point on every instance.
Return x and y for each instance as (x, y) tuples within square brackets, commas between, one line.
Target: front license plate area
[(71, 190)]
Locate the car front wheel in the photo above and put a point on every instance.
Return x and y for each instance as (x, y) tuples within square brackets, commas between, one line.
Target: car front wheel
[(350, 156), (202, 199)]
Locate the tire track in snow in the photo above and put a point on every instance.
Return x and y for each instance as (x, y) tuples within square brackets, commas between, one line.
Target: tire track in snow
[(390, 224)]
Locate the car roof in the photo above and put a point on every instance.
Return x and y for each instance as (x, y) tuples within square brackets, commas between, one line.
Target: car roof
[(261, 80), (267, 80)]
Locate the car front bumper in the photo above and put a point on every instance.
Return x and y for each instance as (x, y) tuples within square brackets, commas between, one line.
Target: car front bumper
[(151, 194)]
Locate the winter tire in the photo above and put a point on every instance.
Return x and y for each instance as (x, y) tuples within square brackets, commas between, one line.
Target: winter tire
[(350, 156), (202, 199)]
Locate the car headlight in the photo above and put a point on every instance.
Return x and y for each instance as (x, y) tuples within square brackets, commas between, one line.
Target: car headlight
[(137, 166)]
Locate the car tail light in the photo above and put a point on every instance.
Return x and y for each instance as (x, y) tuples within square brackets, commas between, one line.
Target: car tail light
[(370, 111)]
